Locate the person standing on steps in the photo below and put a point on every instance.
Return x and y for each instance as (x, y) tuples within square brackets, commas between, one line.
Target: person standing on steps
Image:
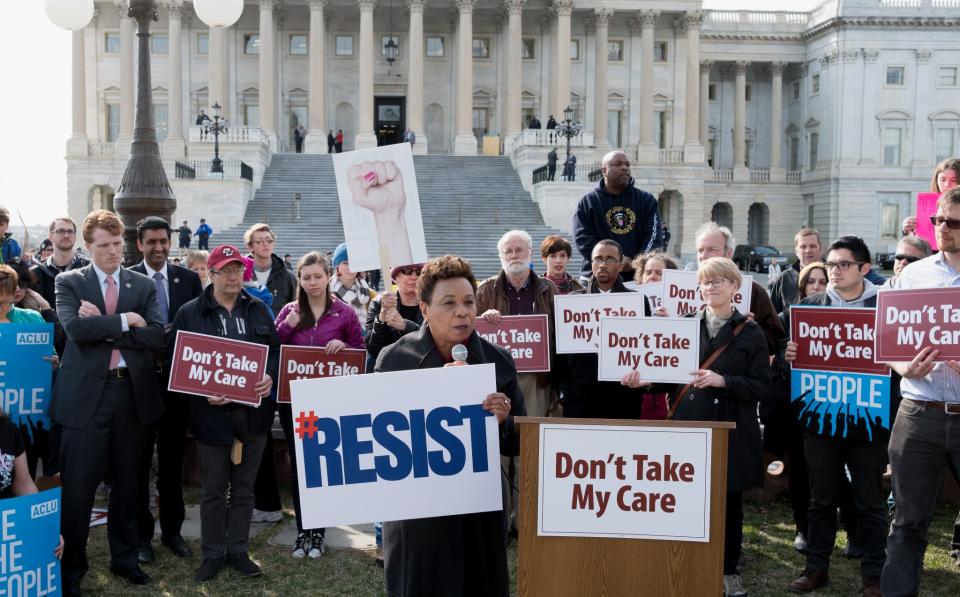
[(552, 159), (338, 141), (204, 231), (331, 141), (184, 233)]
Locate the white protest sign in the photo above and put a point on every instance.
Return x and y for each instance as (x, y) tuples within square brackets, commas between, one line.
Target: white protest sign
[(652, 290), (624, 482), (409, 444), (577, 317), (380, 205), (661, 349), (681, 293)]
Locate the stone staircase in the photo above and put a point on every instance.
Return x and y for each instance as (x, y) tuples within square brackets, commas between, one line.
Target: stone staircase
[(467, 204)]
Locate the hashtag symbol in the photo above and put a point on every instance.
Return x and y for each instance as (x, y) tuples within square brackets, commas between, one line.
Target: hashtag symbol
[(306, 425)]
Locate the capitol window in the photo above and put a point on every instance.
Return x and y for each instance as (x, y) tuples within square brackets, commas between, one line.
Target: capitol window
[(712, 92), (615, 50), (435, 47), (203, 44), (814, 150), (748, 93), (574, 49), (159, 44), (528, 48), (947, 76), (815, 84), (660, 51), (251, 44), (892, 140), (111, 43), (795, 90), (944, 143), (298, 45), (895, 76), (481, 47), (344, 45)]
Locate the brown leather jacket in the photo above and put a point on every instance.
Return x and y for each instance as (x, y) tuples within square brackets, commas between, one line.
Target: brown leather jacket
[(491, 294)]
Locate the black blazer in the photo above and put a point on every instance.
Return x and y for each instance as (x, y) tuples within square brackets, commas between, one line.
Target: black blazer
[(183, 283), (90, 340)]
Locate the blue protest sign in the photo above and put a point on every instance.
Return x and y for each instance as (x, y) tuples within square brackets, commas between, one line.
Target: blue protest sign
[(29, 532), (26, 380), (842, 404)]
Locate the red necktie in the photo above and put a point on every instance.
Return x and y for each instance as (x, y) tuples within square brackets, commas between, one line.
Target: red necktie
[(110, 302)]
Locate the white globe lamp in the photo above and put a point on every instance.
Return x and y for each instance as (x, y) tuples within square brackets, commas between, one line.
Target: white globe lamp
[(69, 14), (218, 13)]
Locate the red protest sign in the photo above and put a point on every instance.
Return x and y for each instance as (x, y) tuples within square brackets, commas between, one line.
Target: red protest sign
[(527, 337), (211, 366), (312, 362), (910, 320), (839, 340)]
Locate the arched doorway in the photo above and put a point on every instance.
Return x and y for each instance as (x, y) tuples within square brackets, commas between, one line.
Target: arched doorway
[(722, 214), (758, 224), (100, 197), (671, 210)]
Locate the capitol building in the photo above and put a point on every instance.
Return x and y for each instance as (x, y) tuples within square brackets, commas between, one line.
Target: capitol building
[(763, 121)]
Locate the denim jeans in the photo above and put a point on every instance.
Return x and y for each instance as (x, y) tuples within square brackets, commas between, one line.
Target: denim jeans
[(826, 457), (923, 443)]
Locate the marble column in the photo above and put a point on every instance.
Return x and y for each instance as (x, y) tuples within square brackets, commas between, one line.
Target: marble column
[(647, 152), (465, 143), (127, 84), (173, 145), (268, 73), (777, 171), (564, 9), (217, 64), (693, 150), (316, 141), (601, 21), (705, 67), (514, 87), (365, 136), (78, 142), (740, 120), (415, 107)]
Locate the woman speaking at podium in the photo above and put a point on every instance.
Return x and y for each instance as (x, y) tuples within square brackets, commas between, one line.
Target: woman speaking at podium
[(465, 554), (727, 389)]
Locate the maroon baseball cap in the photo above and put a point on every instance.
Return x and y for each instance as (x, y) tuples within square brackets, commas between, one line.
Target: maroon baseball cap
[(223, 255)]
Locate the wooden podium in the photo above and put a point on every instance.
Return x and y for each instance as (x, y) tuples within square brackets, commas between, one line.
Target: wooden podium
[(576, 566)]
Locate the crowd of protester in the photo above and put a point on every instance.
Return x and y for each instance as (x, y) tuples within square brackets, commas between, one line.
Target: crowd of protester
[(113, 339)]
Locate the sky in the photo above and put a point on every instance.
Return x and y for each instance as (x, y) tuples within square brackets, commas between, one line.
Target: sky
[(35, 106)]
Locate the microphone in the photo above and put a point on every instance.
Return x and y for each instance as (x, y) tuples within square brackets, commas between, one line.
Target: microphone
[(459, 352)]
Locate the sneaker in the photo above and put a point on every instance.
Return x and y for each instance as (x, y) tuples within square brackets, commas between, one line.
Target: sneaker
[(209, 570), (266, 516), (242, 563), (300, 547), (800, 543), (318, 546), (733, 586)]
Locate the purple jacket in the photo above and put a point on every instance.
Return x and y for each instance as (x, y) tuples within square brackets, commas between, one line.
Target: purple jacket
[(340, 323)]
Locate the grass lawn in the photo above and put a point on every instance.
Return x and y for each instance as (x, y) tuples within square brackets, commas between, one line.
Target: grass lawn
[(769, 564)]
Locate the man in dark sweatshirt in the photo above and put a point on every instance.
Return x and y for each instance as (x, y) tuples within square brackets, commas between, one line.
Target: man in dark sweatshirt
[(619, 211)]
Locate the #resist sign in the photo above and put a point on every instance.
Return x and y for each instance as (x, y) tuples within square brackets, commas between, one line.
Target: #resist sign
[(910, 320), (313, 362), (29, 532), (842, 388), (577, 317), (681, 293), (660, 349), (527, 337), (420, 437), (624, 482), (211, 366)]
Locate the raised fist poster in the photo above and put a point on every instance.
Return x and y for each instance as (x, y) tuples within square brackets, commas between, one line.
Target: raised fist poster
[(380, 205)]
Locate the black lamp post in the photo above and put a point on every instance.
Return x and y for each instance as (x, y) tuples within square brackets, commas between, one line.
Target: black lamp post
[(568, 128), (216, 166), (144, 189)]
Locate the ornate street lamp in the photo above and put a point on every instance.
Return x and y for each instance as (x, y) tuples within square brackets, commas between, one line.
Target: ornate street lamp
[(217, 128), (568, 128), (391, 49)]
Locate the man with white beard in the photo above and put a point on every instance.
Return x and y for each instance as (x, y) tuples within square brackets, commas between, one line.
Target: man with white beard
[(518, 290)]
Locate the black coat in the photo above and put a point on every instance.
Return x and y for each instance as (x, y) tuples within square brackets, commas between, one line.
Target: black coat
[(380, 335), (46, 273), (745, 368), (464, 554), (211, 424)]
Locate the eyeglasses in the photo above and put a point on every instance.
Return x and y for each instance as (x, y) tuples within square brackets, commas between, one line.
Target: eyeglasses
[(843, 265), (262, 241), (907, 258), (605, 260), (230, 273), (410, 271), (712, 283), (950, 222), (64, 232)]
